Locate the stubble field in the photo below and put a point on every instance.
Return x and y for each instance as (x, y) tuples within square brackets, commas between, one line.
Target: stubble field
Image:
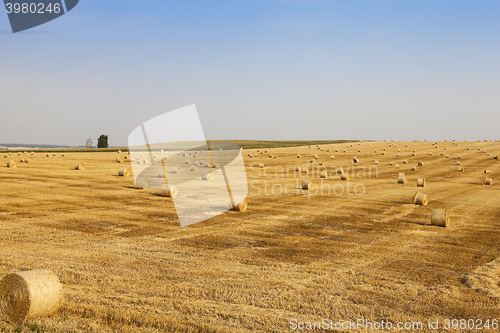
[(366, 253)]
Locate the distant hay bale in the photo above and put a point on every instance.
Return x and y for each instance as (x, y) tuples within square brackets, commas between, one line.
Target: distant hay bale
[(397, 154), (440, 217), (376, 162), (458, 162), (391, 163), (123, 172), (344, 176), (488, 181), (328, 150), (162, 174), (79, 166), (413, 154), (320, 163), (345, 151), (270, 156), (242, 206), (298, 156), (459, 157), (29, 294), (250, 155), (307, 185), (420, 164), (430, 153), (336, 150), (304, 170), (486, 171), (311, 161), (208, 177), (11, 164), (187, 162), (184, 155), (138, 161), (375, 151), (27, 160), (468, 148), (420, 182), (405, 161), (402, 179), (396, 166), (447, 156), (399, 150), (192, 168), (275, 156), (170, 191), (119, 160), (383, 153), (461, 169), (54, 154), (119, 151), (48, 155), (309, 146), (175, 170), (487, 154), (420, 199), (332, 157), (414, 168), (359, 150), (323, 174), (316, 156), (141, 183), (125, 157), (355, 160)]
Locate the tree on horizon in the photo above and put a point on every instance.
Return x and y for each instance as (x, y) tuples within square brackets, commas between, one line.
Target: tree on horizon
[(102, 142)]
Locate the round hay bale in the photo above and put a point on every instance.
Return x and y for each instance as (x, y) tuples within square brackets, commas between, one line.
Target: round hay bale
[(304, 170), (328, 150), (375, 151), (208, 177), (241, 206), (405, 161), (383, 153), (399, 149), (21, 160), (29, 294), (391, 163), (336, 150), (488, 181), (447, 156), (344, 176), (413, 154), (486, 171), (298, 156), (323, 174), (440, 217), (79, 166), (54, 154), (27, 160), (48, 155), (307, 185), (332, 157), (487, 154), (176, 170), (355, 160), (402, 180), (345, 151), (11, 164), (192, 168), (461, 169), (119, 160), (119, 151), (162, 174), (141, 183), (430, 153), (420, 182), (170, 191), (376, 162), (125, 158), (459, 157), (468, 148), (311, 161), (123, 172), (270, 156), (138, 161), (275, 156), (359, 150), (458, 163), (187, 162), (316, 156), (414, 168), (420, 199), (397, 154), (420, 164), (396, 166)]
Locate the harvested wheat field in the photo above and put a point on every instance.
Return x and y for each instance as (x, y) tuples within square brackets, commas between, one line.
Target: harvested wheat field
[(367, 252)]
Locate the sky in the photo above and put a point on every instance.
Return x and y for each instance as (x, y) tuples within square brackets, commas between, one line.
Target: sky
[(256, 70)]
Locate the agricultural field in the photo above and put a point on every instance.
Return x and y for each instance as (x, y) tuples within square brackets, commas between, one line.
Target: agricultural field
[(343, 250)]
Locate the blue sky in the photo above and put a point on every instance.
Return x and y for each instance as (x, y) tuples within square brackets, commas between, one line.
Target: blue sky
[(277, 70)]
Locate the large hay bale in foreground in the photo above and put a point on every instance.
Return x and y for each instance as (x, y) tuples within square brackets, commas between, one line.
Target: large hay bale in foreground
[(11, 164), (79, 166), (420, 182), (440, 217), (29, 294), (488, 181), (123, 172), (420, 199)]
